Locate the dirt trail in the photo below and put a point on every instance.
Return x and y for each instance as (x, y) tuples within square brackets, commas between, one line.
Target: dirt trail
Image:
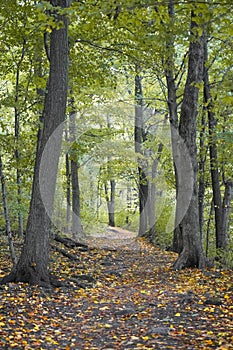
[(114, 238)]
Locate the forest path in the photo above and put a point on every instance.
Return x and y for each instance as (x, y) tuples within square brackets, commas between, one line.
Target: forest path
[(122, 294), (114, 238)]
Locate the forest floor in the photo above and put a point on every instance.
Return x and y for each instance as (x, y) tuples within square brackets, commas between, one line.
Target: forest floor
[(123, 294)]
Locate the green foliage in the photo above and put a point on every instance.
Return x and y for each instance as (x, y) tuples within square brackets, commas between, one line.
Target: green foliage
[(108, 43)]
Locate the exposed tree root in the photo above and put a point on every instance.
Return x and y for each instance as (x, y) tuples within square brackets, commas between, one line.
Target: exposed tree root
[(64, 252), (32, 278), (185, 260), (70, 243)]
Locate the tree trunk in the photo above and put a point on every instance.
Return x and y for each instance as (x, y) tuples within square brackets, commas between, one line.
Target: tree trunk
[(201, 187), (17, 152), (6, 214), (224, 236), (111, 202), (220, 240), (208, 229), (192, 254), (77, 230), (152, 196), (177, 244), (139, 138), (32, 266), (68, 192)]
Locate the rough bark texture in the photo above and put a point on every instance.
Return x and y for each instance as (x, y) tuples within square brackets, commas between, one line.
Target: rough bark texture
[(32, 266), (192, 254)]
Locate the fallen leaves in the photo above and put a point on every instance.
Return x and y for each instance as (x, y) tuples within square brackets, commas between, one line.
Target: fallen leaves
[(129, 299)]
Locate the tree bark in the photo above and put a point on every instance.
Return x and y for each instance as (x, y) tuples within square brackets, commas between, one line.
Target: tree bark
[(6, 214), (213, 153), (17, 133), (111, 202), (201, 166), (77, 229), (221, 207), (32, 266), (139, 138), (68, 192), (177, 244), (192, 254), (228, 194)]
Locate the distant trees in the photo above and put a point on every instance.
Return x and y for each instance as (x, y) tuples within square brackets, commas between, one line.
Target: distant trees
[(137, 66)]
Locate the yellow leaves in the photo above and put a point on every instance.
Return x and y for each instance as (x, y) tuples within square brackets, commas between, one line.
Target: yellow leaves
[(49, 339), (226, 296), (133, 337), (145, 338), (107, 325), (148, 305), (104, 308), (147, 292)]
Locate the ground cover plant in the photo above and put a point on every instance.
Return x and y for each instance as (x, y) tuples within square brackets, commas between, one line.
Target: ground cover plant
[(119, 293)]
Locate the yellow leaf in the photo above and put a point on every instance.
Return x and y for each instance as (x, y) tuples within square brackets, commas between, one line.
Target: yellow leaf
[(177, 314), (107, 325), (104, 308), (145, 337), (134, 338)]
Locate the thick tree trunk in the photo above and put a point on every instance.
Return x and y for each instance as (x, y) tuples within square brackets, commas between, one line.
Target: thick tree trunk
[(192, 254), (32, 266)]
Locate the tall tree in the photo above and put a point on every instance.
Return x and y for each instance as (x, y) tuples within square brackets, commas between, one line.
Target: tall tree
[(173, 117), (192, 253), (32, 265), (221, 207)]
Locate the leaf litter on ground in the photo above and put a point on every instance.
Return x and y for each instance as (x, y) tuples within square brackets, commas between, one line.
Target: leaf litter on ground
[(122, 294)]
